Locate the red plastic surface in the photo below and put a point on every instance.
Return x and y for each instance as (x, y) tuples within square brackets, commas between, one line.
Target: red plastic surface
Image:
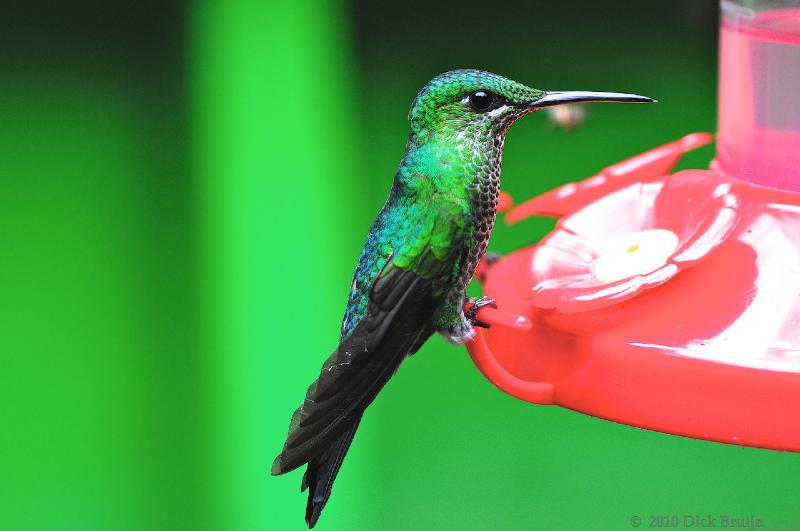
[(709, 348)]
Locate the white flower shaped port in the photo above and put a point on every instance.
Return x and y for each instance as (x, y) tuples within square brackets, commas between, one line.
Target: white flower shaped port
[(632, 240), (633, 254)]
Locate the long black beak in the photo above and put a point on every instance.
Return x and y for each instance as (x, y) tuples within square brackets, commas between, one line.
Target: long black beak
[(557, 98)]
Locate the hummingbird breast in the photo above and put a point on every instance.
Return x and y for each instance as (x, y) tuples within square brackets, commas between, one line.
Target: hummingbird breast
[(472, 186), (484, 194)]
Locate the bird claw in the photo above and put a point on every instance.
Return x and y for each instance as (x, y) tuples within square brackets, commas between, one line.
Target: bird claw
[(476, 306)]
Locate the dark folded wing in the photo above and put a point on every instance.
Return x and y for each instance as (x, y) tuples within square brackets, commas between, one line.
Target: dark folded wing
[(397, 322)]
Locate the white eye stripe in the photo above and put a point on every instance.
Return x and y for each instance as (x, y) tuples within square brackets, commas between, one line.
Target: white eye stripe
[(497, 111)]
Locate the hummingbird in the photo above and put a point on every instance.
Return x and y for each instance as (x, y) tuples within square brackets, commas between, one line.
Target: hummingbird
[(421, 252)]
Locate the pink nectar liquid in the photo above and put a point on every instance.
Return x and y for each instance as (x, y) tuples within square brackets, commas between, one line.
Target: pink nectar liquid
[(759, 96)]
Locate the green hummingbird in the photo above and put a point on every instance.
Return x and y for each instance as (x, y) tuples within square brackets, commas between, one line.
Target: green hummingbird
[(420, 254)]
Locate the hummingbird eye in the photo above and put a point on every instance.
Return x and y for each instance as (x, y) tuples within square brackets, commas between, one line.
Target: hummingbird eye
[(482, 100)]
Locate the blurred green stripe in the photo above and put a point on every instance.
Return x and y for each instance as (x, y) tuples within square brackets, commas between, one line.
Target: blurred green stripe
[(276, 159)]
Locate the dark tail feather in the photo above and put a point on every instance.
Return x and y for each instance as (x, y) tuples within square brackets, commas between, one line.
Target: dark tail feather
[(321, 473)]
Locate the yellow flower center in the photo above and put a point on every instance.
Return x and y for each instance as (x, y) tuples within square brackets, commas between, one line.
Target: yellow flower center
[(634, 254)]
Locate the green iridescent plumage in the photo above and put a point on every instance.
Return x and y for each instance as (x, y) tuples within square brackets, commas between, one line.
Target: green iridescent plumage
[(451, 149), (419, 256)]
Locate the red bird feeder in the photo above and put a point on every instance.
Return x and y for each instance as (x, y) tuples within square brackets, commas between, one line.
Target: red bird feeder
[(669, 302), (672, 301)]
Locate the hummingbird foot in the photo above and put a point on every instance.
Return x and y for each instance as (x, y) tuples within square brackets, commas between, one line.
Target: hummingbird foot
[(472, 313)]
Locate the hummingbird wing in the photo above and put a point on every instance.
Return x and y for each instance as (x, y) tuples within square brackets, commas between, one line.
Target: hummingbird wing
[(401, 301), (397, 323)]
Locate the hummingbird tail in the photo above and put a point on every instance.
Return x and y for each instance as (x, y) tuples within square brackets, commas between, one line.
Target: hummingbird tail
[(321, 473), (396, 323)]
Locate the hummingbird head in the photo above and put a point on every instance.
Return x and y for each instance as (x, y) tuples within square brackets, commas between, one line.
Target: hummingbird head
[(481, 104)]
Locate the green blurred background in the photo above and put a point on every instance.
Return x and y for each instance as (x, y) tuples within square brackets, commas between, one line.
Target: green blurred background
[(185, 188)]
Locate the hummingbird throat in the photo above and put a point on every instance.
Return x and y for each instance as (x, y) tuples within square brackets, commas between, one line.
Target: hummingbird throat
[(460, 164)]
